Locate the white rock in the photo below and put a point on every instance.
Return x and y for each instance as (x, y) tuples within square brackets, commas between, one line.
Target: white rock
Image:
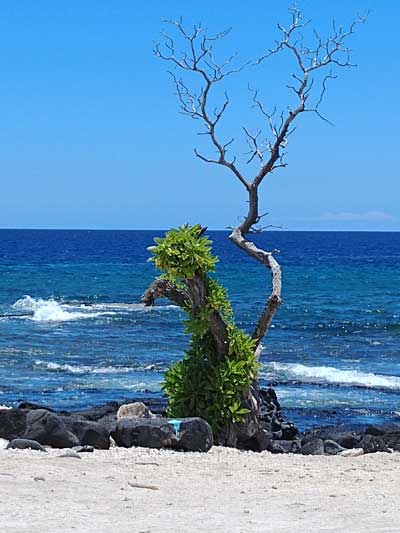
[(134, 410), (352, 452), (3, 444)]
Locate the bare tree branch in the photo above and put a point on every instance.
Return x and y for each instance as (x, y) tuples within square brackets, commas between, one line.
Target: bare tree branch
[(197, 58), (163, 288)]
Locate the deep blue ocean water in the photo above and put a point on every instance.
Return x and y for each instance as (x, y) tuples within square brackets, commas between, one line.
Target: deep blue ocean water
[(80, 338)]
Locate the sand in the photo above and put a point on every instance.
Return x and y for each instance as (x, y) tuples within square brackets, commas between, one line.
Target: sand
[(141, 490)]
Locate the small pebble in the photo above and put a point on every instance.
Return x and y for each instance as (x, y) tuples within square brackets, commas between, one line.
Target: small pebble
[(352, 452), (83, 449), (71, 454)]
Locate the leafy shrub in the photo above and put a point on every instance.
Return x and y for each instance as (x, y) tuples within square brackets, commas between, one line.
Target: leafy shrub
[(203, 383), (183, 252)]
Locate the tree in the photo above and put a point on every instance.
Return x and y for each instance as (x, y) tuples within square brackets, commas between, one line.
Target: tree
[(314, 67)]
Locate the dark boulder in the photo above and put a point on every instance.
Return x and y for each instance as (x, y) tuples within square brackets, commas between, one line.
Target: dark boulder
[(332, 448), (276, 447), (188, 434), (49, 429), (347, 439), (313, 447), (271, 418), (12, 423), (25, 444), (270, 410), (392, 441), (345, 436), (108, 422), (143, 432), (372, 444), (289, 430), (88, 432), (285, 446), (259, 442), (194, 434), (105, 415)]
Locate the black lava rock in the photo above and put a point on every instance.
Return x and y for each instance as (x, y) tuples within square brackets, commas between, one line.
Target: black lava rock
[(48, 428), (372, 444), (289, 430), (260, 441), (345, 436), (108, 422), (332, 448), (25, 444), (88, 432), (313, 447), (271, 418), (194, 435), (188, 434), (286, 446), (12, 423), (392, 441)]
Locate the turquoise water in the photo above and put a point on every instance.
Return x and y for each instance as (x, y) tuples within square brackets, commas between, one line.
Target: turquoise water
[(72, 333)]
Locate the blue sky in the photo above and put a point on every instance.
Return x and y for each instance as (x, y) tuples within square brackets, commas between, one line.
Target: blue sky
[(91, 137)]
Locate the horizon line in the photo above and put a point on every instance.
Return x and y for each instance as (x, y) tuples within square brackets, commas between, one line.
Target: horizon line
[(279, 230)]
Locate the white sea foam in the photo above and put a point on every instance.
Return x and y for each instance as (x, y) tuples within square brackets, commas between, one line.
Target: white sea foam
[(55, 367), (52, 311), (87, 369), (330, 375), (41, 310), (120, 306)]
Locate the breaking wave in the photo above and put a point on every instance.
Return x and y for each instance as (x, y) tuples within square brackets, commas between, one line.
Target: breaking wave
[(286, 372), (41, 310), (87, 369), (52, 311), (120, 306)]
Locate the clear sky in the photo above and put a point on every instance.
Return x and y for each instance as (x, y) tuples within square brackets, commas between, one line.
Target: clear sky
[(91, 137)]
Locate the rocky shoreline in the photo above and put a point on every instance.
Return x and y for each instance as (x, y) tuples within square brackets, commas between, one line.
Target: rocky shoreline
[(136, 424)]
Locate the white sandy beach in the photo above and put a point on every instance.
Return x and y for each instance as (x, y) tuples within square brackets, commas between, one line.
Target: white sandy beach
[(141, 490)]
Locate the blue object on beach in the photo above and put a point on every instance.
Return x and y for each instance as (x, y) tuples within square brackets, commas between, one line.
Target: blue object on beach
[(176, 425)]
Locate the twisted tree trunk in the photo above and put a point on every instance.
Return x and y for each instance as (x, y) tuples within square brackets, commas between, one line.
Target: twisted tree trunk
[(194, 299)]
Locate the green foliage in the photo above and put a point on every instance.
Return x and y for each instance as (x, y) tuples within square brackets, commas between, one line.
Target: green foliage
[(217, 299), (202, 384), (213, 389), (183, 252)]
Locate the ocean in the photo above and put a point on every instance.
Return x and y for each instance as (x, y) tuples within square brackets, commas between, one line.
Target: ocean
[(73, 334)]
